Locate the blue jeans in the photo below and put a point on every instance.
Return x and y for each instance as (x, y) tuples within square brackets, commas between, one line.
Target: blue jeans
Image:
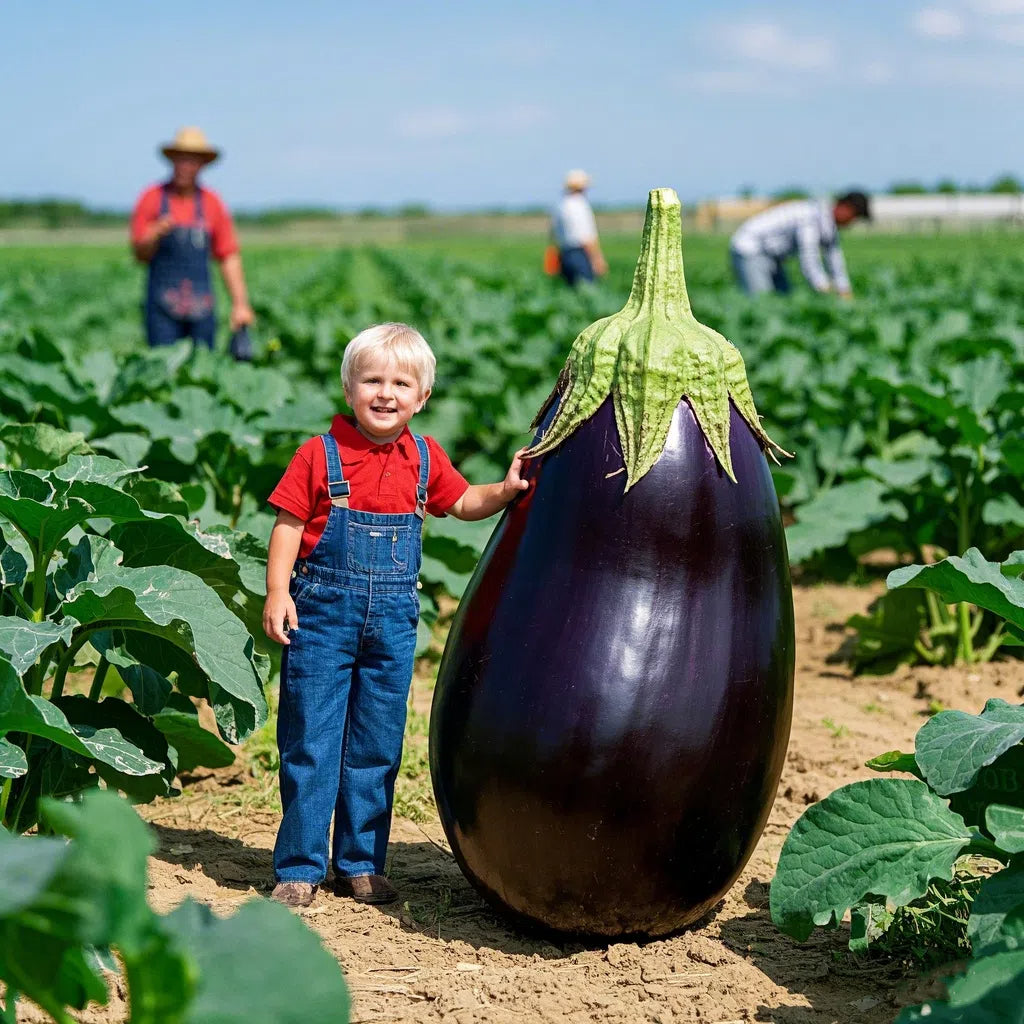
[(575, 265), (757, 273), (162, 329), (344, 689)]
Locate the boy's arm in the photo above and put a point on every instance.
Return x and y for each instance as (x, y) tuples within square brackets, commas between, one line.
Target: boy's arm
[(483, 500), (285, 540)]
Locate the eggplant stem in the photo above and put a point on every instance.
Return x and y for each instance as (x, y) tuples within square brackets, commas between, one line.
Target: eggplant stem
[(650, 356)]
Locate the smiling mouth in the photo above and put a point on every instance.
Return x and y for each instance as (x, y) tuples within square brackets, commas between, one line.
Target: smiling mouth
[(382, 410)]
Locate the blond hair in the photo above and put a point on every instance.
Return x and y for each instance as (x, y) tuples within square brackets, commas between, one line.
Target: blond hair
[(399, 342)]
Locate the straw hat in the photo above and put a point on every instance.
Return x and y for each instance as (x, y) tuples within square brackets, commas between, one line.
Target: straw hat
[(577, 180), (190, 142)]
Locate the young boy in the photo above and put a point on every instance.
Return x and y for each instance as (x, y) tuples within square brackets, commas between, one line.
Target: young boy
[(341, 596)]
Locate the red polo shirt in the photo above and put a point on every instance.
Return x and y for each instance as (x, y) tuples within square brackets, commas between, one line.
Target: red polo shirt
[(382, 478), (183, 211)]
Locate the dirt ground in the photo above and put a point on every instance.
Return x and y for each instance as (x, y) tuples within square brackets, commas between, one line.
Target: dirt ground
[(442, 955)]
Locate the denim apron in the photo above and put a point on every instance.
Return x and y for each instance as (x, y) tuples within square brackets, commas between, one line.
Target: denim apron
[(345, 680), (179, 297)]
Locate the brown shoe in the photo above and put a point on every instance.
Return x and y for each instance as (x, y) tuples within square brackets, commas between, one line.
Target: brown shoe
[(366, 889), (294, 894)]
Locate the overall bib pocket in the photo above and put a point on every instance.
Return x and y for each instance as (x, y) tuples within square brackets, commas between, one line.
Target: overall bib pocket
[(379, 550)]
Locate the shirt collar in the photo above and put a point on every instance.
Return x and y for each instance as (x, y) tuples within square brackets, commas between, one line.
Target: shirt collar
[(356, 445)]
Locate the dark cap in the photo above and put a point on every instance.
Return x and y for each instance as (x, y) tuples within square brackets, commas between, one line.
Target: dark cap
[(858, 202)]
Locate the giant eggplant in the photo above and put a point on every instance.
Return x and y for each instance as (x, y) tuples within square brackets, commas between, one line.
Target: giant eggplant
[(613, 705)]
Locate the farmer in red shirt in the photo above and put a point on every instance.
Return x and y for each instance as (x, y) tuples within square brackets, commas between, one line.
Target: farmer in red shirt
[(176, 227)]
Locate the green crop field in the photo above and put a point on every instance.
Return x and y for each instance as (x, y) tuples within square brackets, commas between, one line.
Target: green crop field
[(133, 524), (902, 408)]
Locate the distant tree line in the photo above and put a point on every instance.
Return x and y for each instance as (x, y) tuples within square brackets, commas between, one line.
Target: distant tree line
[(54, 213), (66, 213), (1005, 184)]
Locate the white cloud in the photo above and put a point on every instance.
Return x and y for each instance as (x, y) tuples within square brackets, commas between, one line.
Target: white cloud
[(769, 43), (937, 23)]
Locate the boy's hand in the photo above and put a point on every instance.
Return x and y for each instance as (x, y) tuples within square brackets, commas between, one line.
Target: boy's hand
[(278, 609), (514, 483)]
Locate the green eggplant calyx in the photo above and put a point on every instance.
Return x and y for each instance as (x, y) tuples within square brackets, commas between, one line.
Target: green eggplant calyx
[(648, 356)]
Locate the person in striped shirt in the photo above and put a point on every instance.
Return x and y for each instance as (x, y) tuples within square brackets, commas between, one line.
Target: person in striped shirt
[(808, 228)]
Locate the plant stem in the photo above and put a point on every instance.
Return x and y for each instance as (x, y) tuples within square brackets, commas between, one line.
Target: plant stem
[(236, 505), (965, 648), (5, 795), (60, 674), (97, 680), (19, 599), (23, 795), (994, 642), (40, 561)]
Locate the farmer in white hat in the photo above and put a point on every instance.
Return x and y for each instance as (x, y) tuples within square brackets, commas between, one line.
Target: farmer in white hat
[(176, 227), (575, 232)]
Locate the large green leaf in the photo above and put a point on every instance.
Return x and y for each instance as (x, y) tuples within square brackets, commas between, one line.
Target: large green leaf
[(997, 914), (13, 567), (22, 712), (26, 866), (952, 747), (114, 910), (22, 641), (194, 745), (1006, 824), (41, 446), (884, 837), (113, 713), (131, 449), (1001, 782), (89, 559), (197, 414), (227, 561), (887, 634), (990, 992), (1005, 510), (150, 689), (46, 506), (235, 986), (969, 578), (181, 609), (13, 763), (829, 520)]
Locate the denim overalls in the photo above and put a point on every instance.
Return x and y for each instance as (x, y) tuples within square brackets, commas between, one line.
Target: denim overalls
[(179, 298), (345, 680)]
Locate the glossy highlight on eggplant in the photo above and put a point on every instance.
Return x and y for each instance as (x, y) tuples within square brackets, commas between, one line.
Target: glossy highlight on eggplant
[(613, 707)]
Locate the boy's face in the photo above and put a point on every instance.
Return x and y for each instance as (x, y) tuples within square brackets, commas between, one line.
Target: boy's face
[(384, 397)]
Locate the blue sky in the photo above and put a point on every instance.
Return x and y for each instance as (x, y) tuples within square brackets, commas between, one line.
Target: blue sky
[(466, 104)]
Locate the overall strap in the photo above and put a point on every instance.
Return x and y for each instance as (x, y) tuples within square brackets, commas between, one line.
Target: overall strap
[(165, 203), (421, 486), (337, 485), (199, 208)]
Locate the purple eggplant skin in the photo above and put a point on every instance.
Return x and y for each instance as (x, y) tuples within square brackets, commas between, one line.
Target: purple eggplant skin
[(612, 711)]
